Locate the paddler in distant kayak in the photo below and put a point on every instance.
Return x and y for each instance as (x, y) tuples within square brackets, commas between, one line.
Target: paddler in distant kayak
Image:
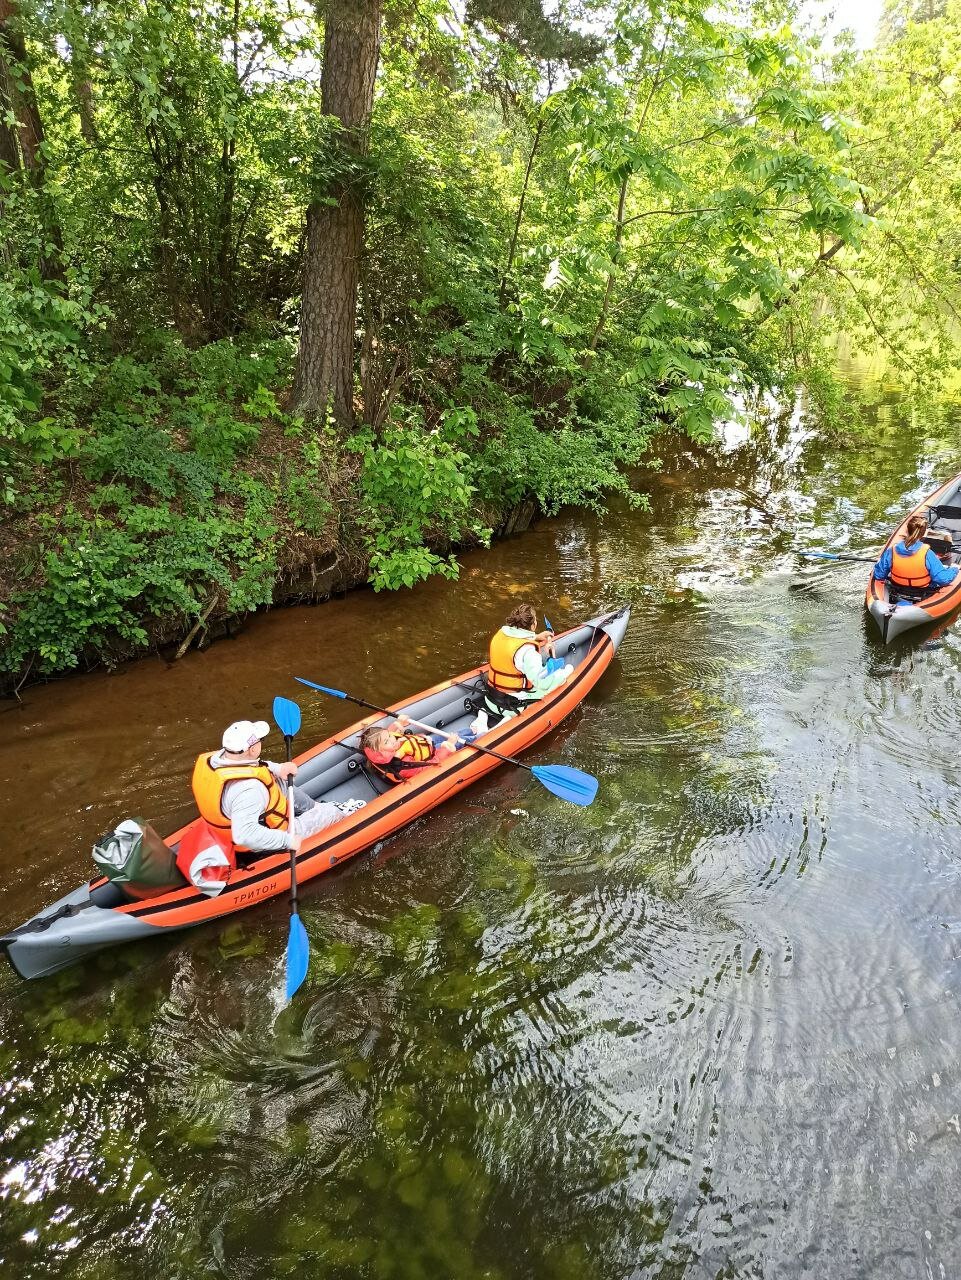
[(518, 672), (911, 565), (238, 792)]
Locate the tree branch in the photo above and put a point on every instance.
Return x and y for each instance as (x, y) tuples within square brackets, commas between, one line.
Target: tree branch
[(520, 207), (898, 355), (666, 213), (889, 235)]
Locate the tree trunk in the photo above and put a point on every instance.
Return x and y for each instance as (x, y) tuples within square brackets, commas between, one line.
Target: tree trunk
[(16, 86), (221, 320), (83, 93), (620, 221), (23, 100), (335, 231), (612, 274), (9, 151), (520, 207)]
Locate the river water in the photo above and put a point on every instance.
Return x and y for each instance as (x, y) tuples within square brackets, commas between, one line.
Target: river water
[(708, 1028)]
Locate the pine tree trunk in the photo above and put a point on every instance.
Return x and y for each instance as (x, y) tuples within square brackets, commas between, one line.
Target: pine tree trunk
[(335, 231)]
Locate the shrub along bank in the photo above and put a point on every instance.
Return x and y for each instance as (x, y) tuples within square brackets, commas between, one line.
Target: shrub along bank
[(181, 495)]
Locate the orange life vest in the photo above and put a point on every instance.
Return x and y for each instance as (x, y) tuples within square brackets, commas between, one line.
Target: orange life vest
[(503, 674), (910, 570), (413, 752), (208, 785)]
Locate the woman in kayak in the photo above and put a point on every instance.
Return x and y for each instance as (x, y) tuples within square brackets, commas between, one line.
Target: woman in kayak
[(518, 672), (397, 755), (912, 566)]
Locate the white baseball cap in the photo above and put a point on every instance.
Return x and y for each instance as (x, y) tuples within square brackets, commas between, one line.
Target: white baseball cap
[(244, 733)]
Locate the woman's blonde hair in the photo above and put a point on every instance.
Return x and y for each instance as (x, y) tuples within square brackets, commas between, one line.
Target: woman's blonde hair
[(372, 736)]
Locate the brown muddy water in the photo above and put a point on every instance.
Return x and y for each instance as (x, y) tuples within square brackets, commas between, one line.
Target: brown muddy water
[(707, 1028)]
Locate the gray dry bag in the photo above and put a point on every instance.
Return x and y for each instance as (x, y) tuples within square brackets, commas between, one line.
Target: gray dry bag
[(136, 859)]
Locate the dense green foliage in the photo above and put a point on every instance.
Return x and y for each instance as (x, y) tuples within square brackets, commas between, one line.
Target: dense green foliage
[(582, 225)]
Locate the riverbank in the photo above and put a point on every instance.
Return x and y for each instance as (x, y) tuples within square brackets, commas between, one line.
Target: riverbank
[(191, 499), (317, 575)]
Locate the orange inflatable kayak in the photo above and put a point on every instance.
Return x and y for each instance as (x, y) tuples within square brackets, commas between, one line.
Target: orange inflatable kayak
[(97, 914), (896, 612)]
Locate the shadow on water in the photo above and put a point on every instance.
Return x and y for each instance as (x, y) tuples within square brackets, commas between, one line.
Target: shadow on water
[(706, 1028)]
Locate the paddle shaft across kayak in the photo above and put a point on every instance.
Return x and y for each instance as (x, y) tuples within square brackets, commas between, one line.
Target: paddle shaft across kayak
[(573, 785), (419, 724)]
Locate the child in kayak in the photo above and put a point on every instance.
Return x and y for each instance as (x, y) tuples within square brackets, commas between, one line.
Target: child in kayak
[(398, 756)]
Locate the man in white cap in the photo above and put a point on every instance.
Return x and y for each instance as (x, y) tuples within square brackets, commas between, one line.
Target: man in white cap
[(238, 792)]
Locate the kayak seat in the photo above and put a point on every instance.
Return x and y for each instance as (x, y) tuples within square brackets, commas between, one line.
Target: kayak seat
[(377, 785), (911, 594), (945, 519), (943, 511)]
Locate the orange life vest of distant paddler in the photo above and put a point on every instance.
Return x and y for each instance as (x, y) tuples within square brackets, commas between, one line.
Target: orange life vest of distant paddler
[(503, 673), (910, 570), (208, 785)]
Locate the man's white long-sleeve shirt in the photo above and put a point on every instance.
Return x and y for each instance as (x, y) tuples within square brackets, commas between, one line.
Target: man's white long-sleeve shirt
[(244, 802)]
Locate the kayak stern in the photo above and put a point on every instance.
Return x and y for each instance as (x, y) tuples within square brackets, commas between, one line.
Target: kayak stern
[(70, 929)]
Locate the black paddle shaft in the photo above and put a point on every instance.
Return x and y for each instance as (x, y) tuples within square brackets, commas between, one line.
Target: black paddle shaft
[(289, 743), (815, 555), (474, 745)]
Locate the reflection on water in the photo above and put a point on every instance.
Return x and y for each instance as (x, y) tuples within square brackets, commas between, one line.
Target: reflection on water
[(706, 1028)]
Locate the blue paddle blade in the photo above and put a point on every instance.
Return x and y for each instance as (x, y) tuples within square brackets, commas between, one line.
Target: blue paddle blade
[(298, 954), (547, 624), (334, 693), (818, 555), (287, 717), (570, 784)]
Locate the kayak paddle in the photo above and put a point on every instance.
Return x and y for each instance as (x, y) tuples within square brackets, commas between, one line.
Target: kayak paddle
[(287, 716), (554, 663), (560, 779), (827, 555)]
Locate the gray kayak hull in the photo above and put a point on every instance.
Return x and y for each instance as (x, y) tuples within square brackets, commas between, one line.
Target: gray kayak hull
[(895, 620), (85, 921), (69, 930)]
